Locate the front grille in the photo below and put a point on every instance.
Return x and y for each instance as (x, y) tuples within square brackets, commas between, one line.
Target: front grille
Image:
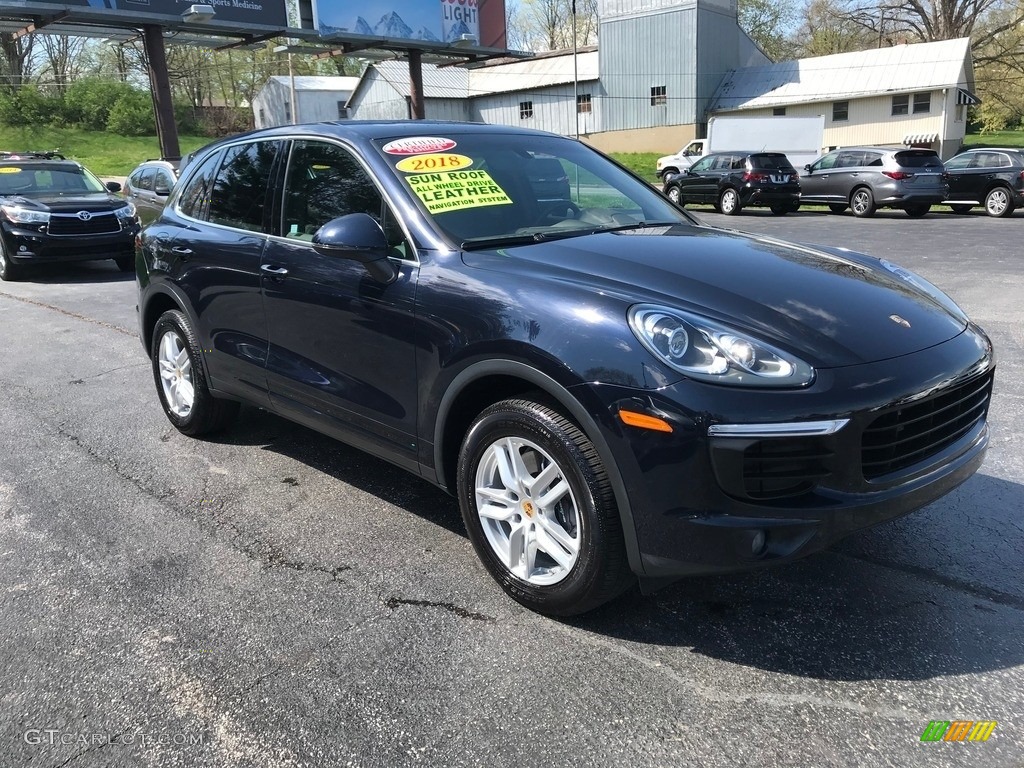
[(779, 467), (99, 223), (910, 434)]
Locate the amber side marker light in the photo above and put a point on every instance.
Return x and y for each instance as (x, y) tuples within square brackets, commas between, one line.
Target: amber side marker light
[(643, 421)]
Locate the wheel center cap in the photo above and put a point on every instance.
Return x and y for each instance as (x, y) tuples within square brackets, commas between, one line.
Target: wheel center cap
[(528, 508)]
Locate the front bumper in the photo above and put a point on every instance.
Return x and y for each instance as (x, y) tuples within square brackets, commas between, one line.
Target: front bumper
[(25, 245), (703, 503)]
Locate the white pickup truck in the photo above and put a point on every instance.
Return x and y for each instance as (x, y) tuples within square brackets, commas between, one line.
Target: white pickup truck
[(799, 138)]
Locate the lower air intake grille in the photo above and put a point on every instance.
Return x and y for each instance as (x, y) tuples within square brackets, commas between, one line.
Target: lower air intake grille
[(910, 434)]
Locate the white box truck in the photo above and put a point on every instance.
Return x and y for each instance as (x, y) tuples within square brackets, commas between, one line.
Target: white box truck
[(799, 138)]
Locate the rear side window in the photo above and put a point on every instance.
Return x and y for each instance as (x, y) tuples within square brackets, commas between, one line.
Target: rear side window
[(142, 179), (918, 159), (238, 197)]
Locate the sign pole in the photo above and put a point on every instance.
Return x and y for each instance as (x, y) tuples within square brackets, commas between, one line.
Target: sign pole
[(159, 82)]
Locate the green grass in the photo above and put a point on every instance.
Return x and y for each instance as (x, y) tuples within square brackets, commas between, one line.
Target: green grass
[(640, 163), (995, 139), (102, 153)]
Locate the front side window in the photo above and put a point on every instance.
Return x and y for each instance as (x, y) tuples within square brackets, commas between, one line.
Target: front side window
[(705, 163), (195, 196), (922, 102), (826, 163), (840, 111), (163, 182), (959, 162), (324, 181), (239, 192), (901, 104), (659, 95)]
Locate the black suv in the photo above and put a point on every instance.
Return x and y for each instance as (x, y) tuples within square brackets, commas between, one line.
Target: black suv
[(990, 177), (609, 387), (54, 210), (732, 180)]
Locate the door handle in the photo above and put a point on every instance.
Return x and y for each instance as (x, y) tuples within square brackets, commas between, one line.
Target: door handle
[(182, 252), (274, 271)]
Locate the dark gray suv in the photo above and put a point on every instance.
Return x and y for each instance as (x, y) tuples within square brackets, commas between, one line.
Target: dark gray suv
[(865, 179)]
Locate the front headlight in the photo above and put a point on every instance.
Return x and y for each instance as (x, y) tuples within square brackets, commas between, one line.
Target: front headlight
[(126, 212), (710, 351), (19, 215), (926, 288)]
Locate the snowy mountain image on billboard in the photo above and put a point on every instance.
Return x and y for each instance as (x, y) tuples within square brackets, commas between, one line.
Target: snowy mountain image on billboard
[(391, 19)]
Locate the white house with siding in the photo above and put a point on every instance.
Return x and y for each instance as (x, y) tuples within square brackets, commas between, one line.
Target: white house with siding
[(316, 99), (912, 95)]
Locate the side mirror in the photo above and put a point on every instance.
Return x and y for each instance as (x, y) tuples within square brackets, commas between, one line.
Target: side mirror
[(113, 186), (161, 191), (359, 237), (807, 167)]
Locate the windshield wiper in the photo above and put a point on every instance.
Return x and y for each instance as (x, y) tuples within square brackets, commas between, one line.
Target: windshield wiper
[(636, 225), (523, 239)]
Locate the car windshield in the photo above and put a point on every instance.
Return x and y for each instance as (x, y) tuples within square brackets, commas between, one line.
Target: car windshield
[(489, 188), (39, 180)]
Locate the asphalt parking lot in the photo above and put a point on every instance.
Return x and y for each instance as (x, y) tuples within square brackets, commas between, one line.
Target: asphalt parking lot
[(274, 598)]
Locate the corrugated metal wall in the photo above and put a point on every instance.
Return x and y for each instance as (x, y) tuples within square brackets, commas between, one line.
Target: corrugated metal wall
[(270, 106), (553, 109), (377, 99), (718, 51), (661, 46)]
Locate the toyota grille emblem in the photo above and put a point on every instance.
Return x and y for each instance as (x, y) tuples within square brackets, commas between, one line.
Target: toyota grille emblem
[(84, 215)]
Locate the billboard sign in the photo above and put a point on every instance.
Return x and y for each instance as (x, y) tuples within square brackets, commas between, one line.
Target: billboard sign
[(244, 13), (436, 22)]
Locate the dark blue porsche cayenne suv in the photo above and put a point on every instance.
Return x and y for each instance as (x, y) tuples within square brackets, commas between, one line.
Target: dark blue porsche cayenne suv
[(613, 391)]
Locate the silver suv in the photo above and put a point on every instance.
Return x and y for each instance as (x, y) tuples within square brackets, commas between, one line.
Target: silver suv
[(865, 179)]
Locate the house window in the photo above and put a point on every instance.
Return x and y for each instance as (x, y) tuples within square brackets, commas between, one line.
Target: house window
[(287, 112), (525, 110), (263, 118), (779, 112), (659, 95), (901, 104), (583, 103), (342, 111), (840, 111), (959, 113), (922, 102)]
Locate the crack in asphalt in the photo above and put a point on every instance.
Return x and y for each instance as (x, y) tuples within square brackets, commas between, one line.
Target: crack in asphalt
[(68, 312), (111, 739), (243, 542), (977, 590), (394, 602)]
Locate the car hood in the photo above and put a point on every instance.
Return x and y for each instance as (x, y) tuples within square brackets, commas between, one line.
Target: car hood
[(833, 309), (69, 203)]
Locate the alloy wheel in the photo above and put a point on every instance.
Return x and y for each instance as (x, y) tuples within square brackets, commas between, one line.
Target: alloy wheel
[(527, 510), (176, 374)]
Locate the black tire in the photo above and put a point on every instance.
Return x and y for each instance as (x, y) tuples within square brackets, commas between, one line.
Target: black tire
[(862, 203), (780, 210), (206, 413), (729, 203), (837, 207), (999, 202), (585, 515), (917, 211), (961, 208), (125, 263), (9, 271)]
